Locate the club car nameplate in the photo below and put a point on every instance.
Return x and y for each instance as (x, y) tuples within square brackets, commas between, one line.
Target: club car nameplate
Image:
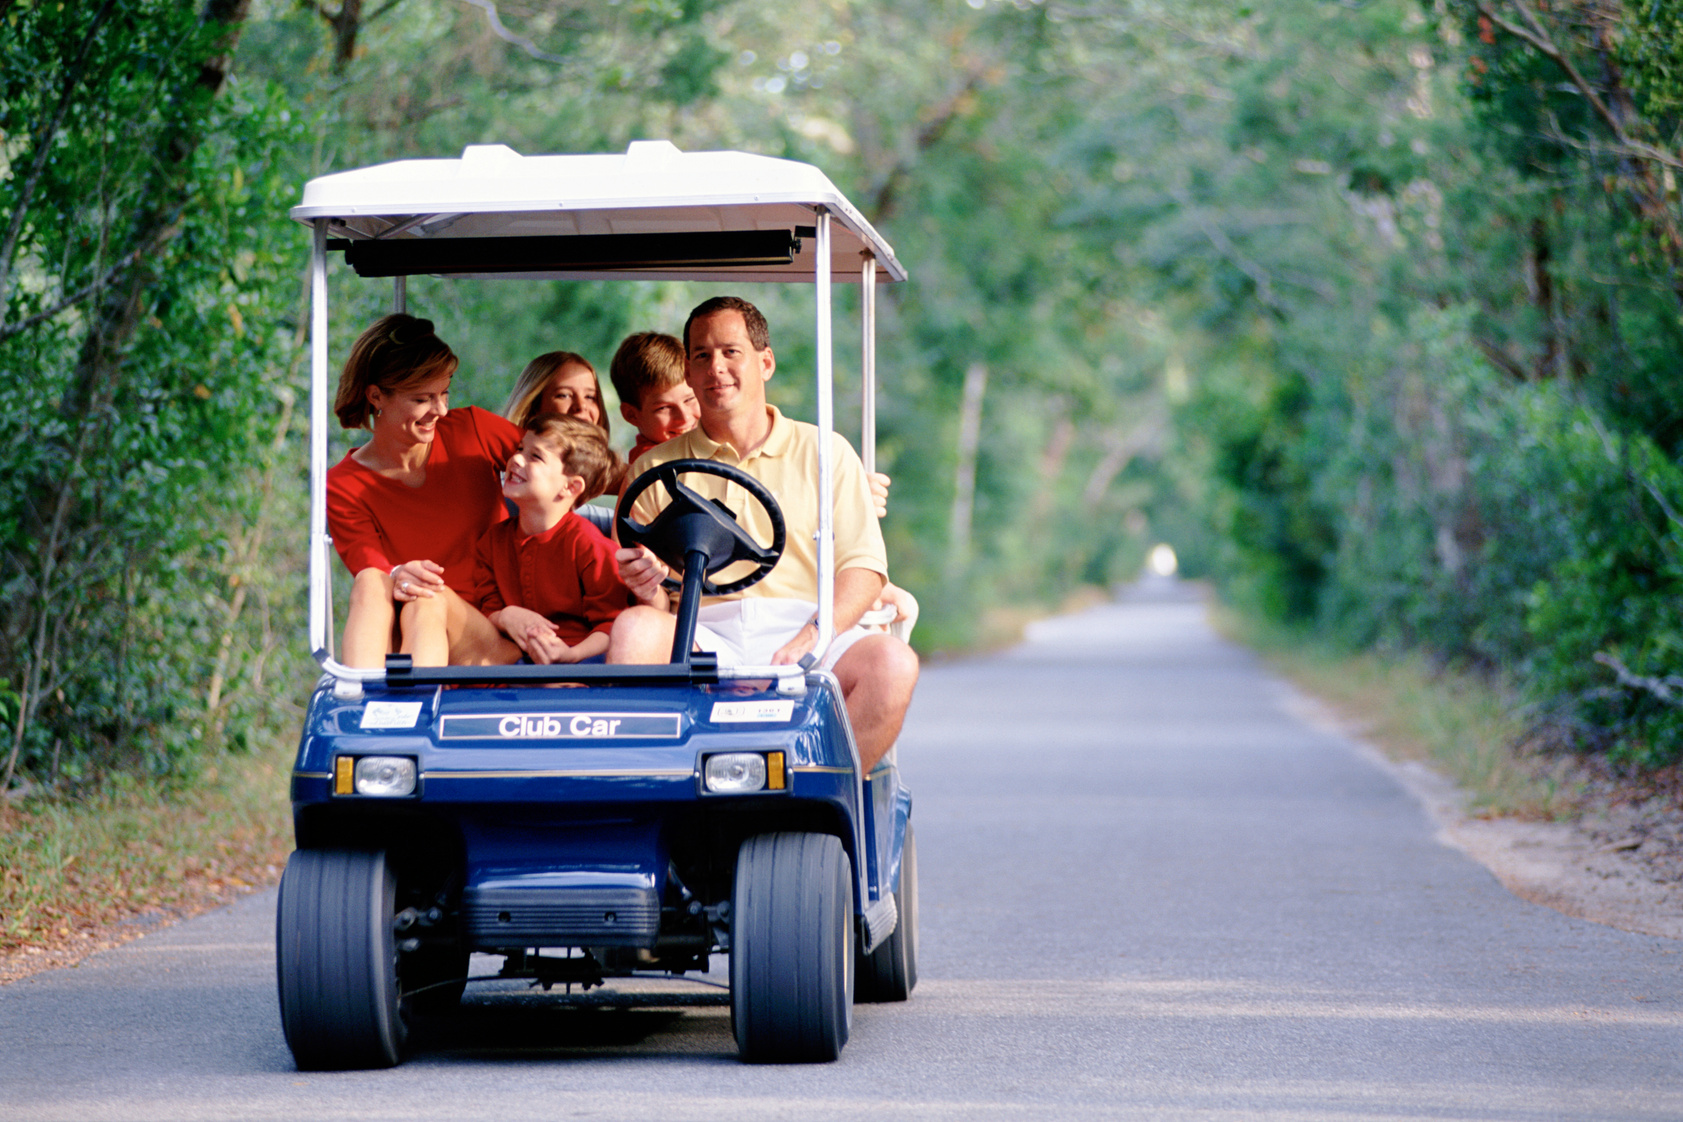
[(559, 726)]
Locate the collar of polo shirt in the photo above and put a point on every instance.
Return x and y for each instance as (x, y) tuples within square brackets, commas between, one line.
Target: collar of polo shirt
[(775, 444)]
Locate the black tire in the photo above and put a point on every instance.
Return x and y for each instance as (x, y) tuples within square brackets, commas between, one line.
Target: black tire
[(335, 960), (889, 973), (791, 958), (432, 979)]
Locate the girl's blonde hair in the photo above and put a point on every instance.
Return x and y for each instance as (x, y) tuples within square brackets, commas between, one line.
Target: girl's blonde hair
[(582, 448), (396, 353), (523, 402)]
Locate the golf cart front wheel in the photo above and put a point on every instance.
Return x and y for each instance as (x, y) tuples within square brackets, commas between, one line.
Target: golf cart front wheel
[(791, 959), (335, 960)]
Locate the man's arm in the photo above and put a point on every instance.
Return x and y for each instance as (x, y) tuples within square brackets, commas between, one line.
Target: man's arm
[(856, 591)]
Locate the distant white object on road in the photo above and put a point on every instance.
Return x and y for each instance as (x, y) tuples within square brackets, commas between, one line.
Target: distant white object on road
[(1162, 560)]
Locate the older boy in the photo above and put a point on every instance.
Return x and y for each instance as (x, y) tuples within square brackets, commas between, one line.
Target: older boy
[(648, 374)]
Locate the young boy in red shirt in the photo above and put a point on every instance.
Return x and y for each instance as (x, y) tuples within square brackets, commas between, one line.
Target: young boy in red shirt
[(547, 579)]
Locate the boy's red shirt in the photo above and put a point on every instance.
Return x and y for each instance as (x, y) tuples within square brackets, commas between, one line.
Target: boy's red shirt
[(566, 574), (377, 522), (643, 445)]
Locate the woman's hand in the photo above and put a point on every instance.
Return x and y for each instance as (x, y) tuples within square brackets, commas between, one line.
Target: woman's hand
[(417, 580)]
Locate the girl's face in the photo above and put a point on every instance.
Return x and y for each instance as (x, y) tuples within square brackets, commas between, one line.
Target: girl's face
[(412, 415), (535, 473), (572, 391)]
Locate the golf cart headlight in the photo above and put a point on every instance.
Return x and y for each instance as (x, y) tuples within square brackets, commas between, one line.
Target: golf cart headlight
[(385, 776), (734, 772)]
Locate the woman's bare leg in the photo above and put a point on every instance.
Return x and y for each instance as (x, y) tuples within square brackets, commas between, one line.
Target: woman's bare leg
[(368, 623), (444, 629), (475, 640)]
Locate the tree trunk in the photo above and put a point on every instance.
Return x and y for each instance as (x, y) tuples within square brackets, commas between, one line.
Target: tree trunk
[(1540, 285), (964, 483), (166, 195), (44, 149)]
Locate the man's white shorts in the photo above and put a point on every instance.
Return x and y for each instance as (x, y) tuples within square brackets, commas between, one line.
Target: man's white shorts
[(749, 631)]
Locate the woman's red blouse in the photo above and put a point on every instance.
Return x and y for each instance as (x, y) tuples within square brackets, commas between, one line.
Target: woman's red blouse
[(377, 523)]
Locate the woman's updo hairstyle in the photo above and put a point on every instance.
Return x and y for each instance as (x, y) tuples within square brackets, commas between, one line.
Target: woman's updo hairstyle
[(397, 353)]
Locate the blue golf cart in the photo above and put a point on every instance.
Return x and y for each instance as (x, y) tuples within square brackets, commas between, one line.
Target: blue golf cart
[(648, 817)]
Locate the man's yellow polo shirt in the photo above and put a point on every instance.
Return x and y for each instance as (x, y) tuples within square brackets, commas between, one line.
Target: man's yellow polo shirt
[(787, 463)]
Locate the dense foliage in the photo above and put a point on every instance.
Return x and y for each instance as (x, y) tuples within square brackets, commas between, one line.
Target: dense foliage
[(146, 335), (1451, 417), (1371, 309)]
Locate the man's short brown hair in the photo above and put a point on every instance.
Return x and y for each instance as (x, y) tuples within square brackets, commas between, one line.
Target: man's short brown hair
[(647, 362), (758, 333)]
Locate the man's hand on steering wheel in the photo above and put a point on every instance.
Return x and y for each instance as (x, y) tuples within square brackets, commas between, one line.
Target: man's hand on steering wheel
[(643, 573), (690, 521)]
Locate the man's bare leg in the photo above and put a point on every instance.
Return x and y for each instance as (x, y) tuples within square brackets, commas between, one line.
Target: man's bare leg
[(641, 634), (877, 676)]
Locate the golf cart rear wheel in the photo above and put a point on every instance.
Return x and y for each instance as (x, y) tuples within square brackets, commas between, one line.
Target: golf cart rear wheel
[(889, 973), (791, 960), (335, 960)]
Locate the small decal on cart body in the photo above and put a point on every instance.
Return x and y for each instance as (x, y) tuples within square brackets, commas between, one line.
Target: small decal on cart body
[(391, 714), (725, 712)]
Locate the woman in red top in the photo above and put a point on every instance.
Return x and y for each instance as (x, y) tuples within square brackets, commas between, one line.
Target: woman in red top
[(406, 509)]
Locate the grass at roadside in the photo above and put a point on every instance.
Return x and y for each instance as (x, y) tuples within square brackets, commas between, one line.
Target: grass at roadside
[(72, 873), (1466, 725)]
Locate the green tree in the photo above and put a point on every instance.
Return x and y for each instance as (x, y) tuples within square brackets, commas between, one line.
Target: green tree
[(142, 237)]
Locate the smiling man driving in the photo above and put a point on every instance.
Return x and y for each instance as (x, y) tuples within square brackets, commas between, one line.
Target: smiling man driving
[(728, 362)]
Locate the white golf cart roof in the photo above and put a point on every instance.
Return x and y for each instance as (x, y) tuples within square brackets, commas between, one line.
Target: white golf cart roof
[(651, 213)]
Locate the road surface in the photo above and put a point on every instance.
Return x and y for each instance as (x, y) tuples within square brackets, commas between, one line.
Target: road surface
[(1148, 891)]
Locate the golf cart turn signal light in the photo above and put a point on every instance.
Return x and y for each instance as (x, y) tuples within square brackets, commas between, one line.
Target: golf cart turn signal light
[(385, 776), (732, 773), (342, 766), (774, 771)]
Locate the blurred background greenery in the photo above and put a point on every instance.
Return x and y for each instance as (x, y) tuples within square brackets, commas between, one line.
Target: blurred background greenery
[(1370, 308)]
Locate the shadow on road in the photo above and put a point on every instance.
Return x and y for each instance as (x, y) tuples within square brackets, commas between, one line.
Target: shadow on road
[(547, 1027)]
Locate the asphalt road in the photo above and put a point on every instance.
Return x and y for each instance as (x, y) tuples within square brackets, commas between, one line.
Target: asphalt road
[(1147, 892)]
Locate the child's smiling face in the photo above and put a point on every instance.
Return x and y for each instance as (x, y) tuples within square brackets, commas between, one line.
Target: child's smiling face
[(535, 474), (667, 413)]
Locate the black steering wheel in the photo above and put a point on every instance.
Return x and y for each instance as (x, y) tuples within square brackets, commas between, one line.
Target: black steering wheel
[(691, 525)]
